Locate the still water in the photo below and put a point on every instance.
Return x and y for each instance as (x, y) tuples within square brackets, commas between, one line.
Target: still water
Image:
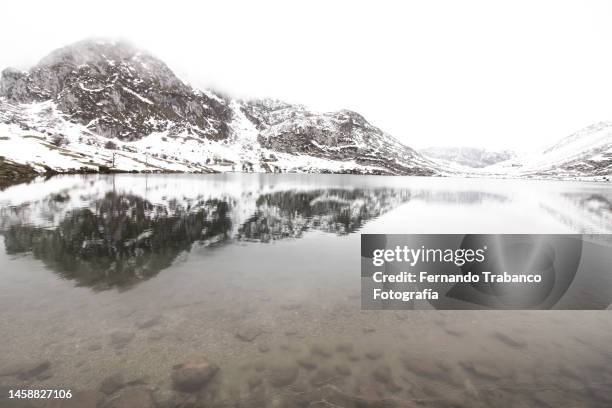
[(109, 284)]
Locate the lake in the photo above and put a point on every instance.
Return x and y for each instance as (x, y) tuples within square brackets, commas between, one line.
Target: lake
[(110, 282)]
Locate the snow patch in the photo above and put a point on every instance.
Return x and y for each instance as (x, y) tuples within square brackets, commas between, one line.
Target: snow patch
[(142, 98)]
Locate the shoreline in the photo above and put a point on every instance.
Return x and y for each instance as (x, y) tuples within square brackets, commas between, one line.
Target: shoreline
[(12, 173)]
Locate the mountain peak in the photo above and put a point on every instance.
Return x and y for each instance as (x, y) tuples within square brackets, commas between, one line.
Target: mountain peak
[(117, 90), (84, 60), (90, 51)]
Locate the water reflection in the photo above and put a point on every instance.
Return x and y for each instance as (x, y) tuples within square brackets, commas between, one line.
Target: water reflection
[(121, 239), (112, 232), (583, 212), (460, 197), (291, 213)]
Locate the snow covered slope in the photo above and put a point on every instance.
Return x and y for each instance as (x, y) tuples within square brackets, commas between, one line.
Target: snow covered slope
[(100, 105), (586, 154), (467, 156)]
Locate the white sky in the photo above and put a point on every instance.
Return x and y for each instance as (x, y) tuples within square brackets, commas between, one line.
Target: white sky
[(495, 74)]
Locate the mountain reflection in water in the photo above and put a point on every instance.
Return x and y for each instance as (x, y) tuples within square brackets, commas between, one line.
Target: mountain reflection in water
[(115, 231), (122, 239), (291, 213)]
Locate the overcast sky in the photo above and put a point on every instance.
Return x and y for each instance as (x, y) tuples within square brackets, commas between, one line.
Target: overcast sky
[(485, 73)]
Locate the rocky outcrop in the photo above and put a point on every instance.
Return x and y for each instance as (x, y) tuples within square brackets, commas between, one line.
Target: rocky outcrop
[(343, 135), (11, 173), (118, 91)]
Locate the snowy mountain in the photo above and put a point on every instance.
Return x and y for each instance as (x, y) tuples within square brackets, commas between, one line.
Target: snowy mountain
[(107, 106), (467, 156), (584, 154), (102, 106), (343, 136)]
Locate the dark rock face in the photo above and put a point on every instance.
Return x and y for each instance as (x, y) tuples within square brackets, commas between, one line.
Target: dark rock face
[(13, 83), (118, 91), (342, 135)]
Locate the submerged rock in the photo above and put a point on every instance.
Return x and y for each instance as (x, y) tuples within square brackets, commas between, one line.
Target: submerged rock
[(282, 375), (482, 369), (307, 362), (80, 399), (45, 375), (193, 375), (259, 366), (369, 329), (112, 383), (454, 331), (374, 354), (384, 375), (26, 370), (322, 377), (291, 306), (149, 322), (353, 357), (132, 398), (332, 396), (367, 390), (321, 351), (511, 341), (344, 348), (121, 339), (343, 369), (428, 368), (156, 335), (248, 333), (255, 382), (94, 347)]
